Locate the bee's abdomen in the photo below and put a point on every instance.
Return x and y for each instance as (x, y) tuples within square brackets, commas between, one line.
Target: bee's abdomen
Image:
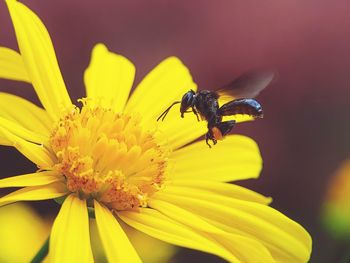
[(242, 106)]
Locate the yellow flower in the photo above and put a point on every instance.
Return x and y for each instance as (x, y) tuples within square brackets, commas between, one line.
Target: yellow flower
[(112, 155)]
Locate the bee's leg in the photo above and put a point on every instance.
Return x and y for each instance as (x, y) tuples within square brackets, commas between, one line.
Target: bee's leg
[(196, 113), (207, 140), (218, 131), (209, 136)]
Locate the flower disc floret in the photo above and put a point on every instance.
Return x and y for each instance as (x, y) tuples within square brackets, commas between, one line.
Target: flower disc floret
[(107, 156)]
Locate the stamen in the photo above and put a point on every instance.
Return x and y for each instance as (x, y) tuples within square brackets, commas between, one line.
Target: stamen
[(108, 156)]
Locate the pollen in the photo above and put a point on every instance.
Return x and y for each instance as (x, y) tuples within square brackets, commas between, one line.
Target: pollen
[(108, 156), (217, 133)]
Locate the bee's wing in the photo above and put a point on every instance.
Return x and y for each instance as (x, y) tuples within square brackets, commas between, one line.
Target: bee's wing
[(248, 85)]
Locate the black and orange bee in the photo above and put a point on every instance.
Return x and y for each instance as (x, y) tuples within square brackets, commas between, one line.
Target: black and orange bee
[(240, 94)]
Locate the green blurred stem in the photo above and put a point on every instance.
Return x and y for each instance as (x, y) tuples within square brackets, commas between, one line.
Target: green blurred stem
[(42, 253), (91, 212)]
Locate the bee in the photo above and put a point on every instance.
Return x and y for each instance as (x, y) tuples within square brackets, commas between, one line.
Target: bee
[(239, 94)]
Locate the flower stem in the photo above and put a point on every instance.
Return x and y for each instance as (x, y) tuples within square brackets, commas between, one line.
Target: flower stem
[(41, 254)]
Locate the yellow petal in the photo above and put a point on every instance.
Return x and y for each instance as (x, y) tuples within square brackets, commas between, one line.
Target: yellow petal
[(145, 244), (4, 140), (235, 158), (286, 240), (109, 78), (211, 188), (179, 214), (161, 227), (25, 113), (196, 193), (165, 84), (32, 179), (32, 193), (239, 118), (245, 249), (22, 132), (12, 66), (34, 152), (115, 242), (39, 58), (162, 86), (175, 131), (70, 238)]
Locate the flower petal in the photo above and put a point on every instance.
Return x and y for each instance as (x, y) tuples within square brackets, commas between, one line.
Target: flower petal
[(33, 179), (39, 58), (165, 84), (161, 227), (70, 238), (21, 132), (115, 242), (176, 132), (109, 77), (238, 118), (286, 240), (179, 214), (12, 66), (217, 189), (32, 193), (34, 152), (25, 113), (3, 140), (235, 158), (244, 248), (247, 250)]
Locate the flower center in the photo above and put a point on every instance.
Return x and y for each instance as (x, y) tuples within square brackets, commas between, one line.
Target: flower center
[(107, 156)]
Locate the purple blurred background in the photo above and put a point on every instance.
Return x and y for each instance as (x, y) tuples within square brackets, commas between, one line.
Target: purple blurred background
[(306, 131)]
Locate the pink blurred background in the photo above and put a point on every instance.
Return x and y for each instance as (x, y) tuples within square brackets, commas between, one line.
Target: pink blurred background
[(306, 131)]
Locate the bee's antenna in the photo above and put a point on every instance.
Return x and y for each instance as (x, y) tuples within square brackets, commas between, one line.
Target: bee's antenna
[(162, 116)]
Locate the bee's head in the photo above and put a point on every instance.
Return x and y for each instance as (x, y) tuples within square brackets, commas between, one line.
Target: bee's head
[(187, 101)]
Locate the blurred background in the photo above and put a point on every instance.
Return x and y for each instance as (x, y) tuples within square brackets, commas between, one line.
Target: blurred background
[(305, 135)]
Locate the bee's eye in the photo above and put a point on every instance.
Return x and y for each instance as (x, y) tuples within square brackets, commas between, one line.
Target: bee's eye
[(187, 98), (187, 101)]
